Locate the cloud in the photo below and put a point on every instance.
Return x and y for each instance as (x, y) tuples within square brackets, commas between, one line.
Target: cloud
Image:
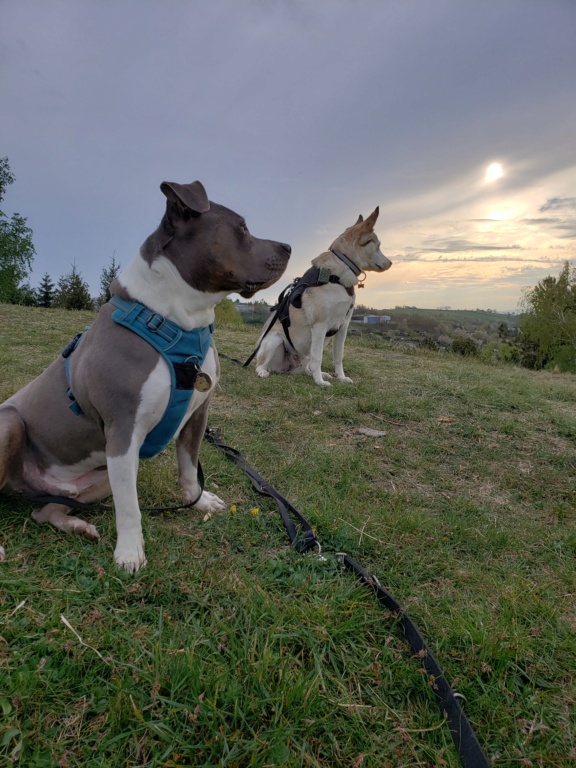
[(445, 245), (569, 231), (541, 220), (416, 256), (559, 204)]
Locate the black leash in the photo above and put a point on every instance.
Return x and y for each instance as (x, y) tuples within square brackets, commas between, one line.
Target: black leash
[(469, 750), (301, 544)]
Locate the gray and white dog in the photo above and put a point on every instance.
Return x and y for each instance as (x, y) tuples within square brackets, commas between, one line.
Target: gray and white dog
[(79, 429)]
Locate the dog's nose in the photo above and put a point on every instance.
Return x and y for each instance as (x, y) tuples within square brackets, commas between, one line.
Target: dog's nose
[(286, 247)]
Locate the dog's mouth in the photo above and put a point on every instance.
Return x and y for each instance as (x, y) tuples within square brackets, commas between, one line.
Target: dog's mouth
[(251, 288)]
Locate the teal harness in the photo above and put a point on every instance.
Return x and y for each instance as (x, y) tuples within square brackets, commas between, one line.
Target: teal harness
[(183, 351)]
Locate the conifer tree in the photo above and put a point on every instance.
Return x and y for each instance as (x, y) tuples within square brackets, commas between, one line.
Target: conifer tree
[(45, 293), (108, 274), (72, 292)]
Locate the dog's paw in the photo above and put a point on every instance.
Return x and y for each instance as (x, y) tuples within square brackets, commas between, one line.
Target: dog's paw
[(326, 375), (209, 503), (2, 554), (130, 557), (263, 373), (345, 379), (57, 516), (322, 383), (82, 528)]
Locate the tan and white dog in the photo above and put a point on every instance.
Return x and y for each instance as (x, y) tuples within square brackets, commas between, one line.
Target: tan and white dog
[(320, 305), (120, 384)]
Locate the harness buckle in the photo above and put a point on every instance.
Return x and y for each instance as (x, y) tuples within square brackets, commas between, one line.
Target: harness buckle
[(154, 322)]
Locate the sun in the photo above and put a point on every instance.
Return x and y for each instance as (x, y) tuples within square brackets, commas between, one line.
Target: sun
[(493, 172)]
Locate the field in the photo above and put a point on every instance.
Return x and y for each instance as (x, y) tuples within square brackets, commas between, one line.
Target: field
[(231, 649)]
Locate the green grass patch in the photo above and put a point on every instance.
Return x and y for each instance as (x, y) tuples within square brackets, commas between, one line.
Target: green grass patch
[(230, 649)]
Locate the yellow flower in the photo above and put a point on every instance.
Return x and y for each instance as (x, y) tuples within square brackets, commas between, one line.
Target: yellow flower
[(255, 511), (232, 509)]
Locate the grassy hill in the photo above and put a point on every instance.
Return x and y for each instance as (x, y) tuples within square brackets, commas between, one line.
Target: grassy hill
[(231, 649)]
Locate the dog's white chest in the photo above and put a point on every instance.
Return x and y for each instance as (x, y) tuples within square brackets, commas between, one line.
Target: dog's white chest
[(155, 395)]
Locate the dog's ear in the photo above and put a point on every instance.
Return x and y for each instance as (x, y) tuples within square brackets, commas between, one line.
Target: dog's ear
[(359, 220), (371, 220), (192, 196)]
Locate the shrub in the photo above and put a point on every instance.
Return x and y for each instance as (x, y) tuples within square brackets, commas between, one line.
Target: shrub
[(464, 346), (428, 343), (227, 314)]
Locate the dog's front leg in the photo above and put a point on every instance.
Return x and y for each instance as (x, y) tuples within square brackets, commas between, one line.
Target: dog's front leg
[(187, 450), (318, 335), (338, 353), (123, 475)]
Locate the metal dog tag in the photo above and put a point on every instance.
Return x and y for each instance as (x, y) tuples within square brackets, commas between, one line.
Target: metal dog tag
[(202, 382)]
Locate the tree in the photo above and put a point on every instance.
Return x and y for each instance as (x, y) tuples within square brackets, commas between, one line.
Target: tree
[(16, 247), (548, 323), (26, 295), (72, 292), (107, 275), (45, 293)]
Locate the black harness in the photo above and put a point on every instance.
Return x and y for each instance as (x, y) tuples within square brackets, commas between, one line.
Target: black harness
[(292, 295)]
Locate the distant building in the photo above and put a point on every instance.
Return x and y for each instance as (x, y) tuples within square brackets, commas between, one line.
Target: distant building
[(248, 308), (373, 319)]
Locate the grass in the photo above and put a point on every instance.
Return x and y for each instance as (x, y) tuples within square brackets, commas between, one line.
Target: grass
[(230, 649)]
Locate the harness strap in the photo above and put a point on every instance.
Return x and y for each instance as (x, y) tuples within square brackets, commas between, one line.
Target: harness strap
[(469, 750), (66, 352)]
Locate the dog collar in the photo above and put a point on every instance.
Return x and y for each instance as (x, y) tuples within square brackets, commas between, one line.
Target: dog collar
[(351, 266)]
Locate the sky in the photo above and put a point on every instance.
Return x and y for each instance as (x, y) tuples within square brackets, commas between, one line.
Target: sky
[(301, 114)]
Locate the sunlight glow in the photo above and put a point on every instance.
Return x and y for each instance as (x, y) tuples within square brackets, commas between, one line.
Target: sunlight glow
[(502, 214), (493, 172)]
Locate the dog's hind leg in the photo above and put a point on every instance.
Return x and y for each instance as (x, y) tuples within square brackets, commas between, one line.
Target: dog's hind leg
[(12, 440), (271, 357), (188, 450), (57, 515)]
